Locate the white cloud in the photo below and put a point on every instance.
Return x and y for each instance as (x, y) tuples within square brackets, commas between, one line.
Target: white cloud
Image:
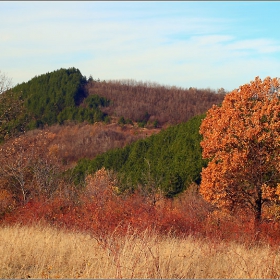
[(259, 45), (171, 48)]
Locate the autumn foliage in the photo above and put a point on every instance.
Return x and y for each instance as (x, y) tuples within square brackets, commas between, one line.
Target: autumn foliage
[(100, 210), (241, 139)]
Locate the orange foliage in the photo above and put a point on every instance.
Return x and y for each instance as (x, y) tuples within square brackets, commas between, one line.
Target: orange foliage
[(101, 182), (242, 141)]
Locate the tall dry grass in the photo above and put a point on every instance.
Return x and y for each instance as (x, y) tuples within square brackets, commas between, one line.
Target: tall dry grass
[(45, 252)]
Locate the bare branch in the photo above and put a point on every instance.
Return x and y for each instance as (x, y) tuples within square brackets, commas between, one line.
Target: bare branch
[(5, 82)]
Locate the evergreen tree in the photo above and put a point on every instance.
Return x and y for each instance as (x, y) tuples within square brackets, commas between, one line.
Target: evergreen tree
[(173, 156)]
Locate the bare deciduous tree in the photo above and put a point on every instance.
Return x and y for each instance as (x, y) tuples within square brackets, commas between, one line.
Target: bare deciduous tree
[(28, 167), (5, 82)]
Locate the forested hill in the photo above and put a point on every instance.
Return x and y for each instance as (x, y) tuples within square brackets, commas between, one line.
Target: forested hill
[(148, 102), (69, 108), (67, 95), (46, 100)]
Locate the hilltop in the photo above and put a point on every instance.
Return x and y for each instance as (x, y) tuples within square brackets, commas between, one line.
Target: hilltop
[(65, 95)]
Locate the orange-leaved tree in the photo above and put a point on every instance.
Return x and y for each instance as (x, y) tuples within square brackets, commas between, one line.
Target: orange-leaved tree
[(241, 139)]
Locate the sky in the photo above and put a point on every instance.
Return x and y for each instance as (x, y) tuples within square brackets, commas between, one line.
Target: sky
[(202, 44)]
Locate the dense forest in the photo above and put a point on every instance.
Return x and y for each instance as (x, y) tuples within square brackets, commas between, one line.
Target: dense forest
[(168, 161), (46, 100)]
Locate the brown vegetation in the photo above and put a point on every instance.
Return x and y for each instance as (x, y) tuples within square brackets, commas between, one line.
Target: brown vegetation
[(75, 141), (72, 141), (31, 164), (167, 105)]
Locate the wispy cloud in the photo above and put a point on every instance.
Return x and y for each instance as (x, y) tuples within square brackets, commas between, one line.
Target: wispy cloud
[(177, 43)]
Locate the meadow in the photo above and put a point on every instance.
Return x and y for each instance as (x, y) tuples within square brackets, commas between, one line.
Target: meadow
[(41, 251), (133, 238)]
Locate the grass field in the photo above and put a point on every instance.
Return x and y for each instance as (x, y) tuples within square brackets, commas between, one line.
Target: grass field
[(45, 252)]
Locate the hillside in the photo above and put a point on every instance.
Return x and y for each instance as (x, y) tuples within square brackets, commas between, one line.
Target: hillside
[(66, 95), (58, 119), (73, 141), (153, 103)]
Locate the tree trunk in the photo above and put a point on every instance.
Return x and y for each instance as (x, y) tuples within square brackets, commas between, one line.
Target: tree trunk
[(23, 195), (258, 213)]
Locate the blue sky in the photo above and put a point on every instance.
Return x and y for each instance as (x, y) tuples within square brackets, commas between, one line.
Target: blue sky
[(187, 44)]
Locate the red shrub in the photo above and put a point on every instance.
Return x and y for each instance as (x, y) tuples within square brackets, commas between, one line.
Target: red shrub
[(105, 213)]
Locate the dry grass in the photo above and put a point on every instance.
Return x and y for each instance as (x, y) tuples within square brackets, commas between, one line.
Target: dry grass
[(45, 252)]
